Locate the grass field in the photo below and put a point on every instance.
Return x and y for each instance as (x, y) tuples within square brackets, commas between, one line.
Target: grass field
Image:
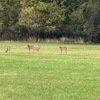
[(48, 74)]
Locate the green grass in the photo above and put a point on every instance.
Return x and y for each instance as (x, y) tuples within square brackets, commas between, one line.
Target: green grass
[(48, 74)]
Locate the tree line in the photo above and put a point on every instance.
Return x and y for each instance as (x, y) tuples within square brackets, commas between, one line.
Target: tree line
[(41, 19)]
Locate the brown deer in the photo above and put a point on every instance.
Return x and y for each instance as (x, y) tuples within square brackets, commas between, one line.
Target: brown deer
[(8, 48), (37, 48), (63, 48), (33, 48), (30, 47)]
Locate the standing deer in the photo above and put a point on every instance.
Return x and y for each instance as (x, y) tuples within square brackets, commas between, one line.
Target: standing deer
[(37, 48), (8, 48), (33, 48), (63, 48), (30, 47)]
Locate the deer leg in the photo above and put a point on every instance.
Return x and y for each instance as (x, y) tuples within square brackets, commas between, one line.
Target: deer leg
[(6, 51), (66, 51)]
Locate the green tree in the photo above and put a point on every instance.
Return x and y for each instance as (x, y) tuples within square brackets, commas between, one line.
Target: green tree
[(91, 20), (9, 15), (1, 15), (46, 17)]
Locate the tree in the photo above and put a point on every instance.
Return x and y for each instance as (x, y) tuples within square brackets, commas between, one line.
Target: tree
[(46, 17), (1, 15), (91, 19), (9, 14)]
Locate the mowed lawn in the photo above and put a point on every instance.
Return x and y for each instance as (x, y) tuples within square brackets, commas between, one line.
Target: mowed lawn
[(48, 74)]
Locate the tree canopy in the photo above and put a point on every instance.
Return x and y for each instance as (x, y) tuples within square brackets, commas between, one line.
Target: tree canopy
[(21, 19)]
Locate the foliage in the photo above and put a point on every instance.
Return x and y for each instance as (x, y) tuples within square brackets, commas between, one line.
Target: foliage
[(9, 15), (41, 18), (1, 13)]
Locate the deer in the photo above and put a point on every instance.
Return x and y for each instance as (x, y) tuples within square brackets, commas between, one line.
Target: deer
[(63, 48), (33, 48), (30, 47), (8, 49), (37, 48)]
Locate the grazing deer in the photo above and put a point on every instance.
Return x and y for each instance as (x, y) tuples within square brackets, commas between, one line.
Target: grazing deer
[(30, 47), (37, 48), (33, 48), (8, 48), (64, 48)]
